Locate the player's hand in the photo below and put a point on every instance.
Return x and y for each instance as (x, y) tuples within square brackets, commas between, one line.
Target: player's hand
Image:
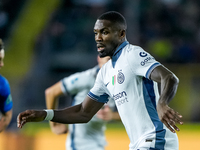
[(3, 123), (105, 113), (169, 117), (30, 116), (58, 128)]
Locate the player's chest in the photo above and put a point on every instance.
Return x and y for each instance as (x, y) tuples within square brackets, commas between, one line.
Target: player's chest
[(118, 78)]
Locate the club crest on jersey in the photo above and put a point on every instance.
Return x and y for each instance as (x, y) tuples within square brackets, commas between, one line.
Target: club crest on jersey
[(120, 77)]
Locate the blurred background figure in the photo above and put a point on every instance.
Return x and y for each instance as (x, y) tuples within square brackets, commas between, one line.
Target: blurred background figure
[(81, 136), (6, 103)]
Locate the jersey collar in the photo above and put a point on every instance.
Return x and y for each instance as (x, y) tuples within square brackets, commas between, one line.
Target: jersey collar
[(118, 53)]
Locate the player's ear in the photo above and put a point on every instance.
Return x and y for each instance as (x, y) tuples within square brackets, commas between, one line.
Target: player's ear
[(122, 34)]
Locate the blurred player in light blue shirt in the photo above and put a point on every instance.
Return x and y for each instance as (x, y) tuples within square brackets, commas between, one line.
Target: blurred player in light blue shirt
[(89, 136)]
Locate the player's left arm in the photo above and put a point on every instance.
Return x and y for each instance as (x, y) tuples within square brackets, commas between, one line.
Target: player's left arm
[(169, 84), (5, 120)]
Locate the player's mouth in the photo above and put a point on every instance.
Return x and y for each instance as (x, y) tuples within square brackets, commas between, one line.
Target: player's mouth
[(100, 47)]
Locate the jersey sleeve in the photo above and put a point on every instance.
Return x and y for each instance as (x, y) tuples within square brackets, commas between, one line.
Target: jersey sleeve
[(77, 82), (141, 62), (6, 103), (98, 92)]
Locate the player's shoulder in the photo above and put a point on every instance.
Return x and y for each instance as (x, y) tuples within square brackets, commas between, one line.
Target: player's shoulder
[(92, 72), (83, 76), (86, 76), (3, 81), (134, 52), (133, 49), (4, 85)]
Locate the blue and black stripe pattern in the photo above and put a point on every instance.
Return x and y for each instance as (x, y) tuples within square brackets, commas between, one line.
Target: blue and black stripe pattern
[(150, 102)]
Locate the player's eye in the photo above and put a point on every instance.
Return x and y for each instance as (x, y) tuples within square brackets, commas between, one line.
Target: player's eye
[(105, 32)]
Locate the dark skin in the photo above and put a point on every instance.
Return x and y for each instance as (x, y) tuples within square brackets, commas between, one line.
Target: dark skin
[(108, 37)]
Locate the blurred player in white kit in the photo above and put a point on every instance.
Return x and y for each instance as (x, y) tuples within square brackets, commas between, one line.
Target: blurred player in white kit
[(89, 136)]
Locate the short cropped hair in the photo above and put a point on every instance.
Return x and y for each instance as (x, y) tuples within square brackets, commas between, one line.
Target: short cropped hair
[(114, 17), (1, 45)]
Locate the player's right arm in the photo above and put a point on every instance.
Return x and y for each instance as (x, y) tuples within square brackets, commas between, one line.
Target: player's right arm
[(5, 120), (81, 113), (52, 95)]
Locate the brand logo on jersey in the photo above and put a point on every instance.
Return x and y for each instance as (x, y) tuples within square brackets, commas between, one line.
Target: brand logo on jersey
[(119, 95), (9, 99), (74, 80), (146, 60), (143, 54), (120, 77), (120, 98)]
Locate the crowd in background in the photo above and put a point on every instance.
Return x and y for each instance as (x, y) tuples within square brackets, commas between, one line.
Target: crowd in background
[(9, 10), (170, 30)]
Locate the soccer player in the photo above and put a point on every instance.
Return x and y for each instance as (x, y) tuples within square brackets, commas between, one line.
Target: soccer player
[(88, 136), (130, 78), (5, 95)]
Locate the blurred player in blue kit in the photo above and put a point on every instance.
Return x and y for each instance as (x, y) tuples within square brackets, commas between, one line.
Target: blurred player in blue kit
[(81, 136), (131, 78), (6, 103)]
